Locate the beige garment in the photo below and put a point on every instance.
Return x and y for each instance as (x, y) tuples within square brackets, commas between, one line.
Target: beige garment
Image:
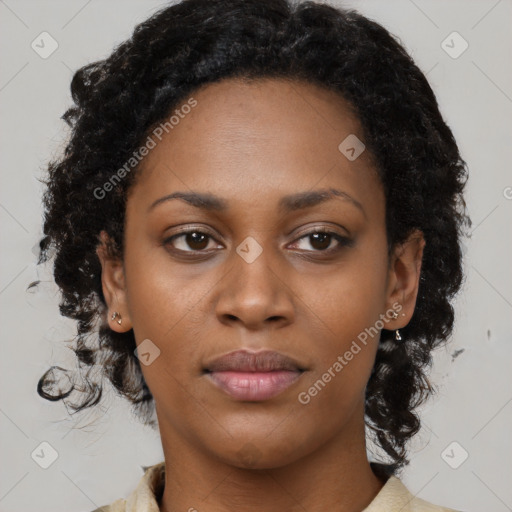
[(393, 497)]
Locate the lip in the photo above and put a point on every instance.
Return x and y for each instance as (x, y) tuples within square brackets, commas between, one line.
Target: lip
[(253, 376)]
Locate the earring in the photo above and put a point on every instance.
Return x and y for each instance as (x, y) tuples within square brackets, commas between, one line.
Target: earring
[(397, 332), (116, 314)]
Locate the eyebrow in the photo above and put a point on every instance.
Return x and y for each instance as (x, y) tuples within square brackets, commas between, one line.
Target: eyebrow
[(286, 204)]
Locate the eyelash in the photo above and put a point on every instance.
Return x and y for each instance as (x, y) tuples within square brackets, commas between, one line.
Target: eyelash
[(342, 240)]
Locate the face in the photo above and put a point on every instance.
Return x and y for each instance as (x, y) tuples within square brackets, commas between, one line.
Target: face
[(282, 248)]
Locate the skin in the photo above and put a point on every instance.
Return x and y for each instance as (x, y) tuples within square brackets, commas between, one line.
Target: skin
[(251, 144)]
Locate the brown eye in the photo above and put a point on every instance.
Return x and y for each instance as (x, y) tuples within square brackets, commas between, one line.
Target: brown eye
[(197, 241), (322, 241), (190, 241)]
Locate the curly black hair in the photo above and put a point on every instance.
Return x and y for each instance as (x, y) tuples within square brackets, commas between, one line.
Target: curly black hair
[(184, 46)]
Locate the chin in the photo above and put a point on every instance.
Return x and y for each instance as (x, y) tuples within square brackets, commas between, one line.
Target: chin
[(261, 455)]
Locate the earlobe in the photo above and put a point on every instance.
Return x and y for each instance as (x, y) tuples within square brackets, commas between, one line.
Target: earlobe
[(113, 286), (405, 271)]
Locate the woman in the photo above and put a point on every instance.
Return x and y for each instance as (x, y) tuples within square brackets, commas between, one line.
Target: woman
[(257, 225)]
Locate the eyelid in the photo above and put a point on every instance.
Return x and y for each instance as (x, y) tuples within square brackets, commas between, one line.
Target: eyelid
[(300, 234), (192, 229), (321, 229)]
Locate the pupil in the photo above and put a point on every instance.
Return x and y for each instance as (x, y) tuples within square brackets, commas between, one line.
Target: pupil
[(323, 237), (196, 238)]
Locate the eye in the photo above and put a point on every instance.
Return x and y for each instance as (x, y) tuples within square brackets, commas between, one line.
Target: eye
[(197, 241), (321, 241), (194, 239)]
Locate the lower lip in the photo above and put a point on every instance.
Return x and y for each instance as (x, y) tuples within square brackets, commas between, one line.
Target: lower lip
[(254, 386)]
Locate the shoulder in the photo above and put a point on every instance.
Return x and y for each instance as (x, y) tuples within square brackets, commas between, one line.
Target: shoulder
[(395, 496), (117, 506), (145, 496)]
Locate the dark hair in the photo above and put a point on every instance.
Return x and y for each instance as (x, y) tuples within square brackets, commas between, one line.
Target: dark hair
[(119, 100)]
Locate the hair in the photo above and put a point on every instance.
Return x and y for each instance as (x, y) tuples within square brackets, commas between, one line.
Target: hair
[(185, 46)]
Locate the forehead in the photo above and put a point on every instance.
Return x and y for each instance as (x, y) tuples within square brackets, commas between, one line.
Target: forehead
[(251, 141)]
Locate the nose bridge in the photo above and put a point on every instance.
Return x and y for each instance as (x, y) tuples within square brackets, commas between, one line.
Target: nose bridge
[(254, 265), (253, 290), (254, 275)]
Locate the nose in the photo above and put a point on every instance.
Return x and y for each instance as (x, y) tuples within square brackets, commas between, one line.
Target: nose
[(255, 295)]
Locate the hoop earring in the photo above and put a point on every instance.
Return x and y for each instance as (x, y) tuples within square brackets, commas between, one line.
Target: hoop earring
[(115, 315)]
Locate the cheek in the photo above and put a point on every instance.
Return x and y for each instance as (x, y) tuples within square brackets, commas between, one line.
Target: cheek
[(167, 306), (344, 358), (348, 298), (159, 294), (345, 308)]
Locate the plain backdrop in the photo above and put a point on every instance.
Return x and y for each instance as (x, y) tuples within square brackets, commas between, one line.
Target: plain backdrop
[(461, 457)]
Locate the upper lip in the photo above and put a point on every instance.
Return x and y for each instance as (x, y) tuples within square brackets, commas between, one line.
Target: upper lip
[(248, 361)]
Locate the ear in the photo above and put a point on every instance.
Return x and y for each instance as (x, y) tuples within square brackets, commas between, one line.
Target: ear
[(113, 285), (404, 277)]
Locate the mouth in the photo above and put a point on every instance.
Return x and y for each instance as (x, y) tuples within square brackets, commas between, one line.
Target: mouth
[(253, 376)]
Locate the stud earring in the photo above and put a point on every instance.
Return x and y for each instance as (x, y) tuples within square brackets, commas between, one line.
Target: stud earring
[(115, 315)]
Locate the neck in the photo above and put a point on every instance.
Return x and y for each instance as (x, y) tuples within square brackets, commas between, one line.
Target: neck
[(335, 476)]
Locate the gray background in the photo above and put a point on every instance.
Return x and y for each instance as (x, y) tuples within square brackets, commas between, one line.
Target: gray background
[(100, 453)]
